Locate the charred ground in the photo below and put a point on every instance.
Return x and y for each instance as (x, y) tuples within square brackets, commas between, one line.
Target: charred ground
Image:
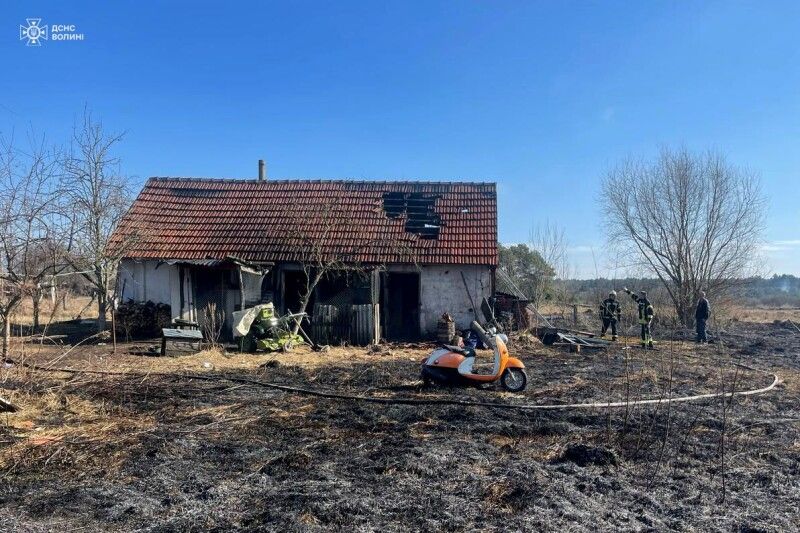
[(165, 452)]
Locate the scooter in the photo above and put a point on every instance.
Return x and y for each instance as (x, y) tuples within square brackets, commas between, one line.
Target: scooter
[(452, 365)]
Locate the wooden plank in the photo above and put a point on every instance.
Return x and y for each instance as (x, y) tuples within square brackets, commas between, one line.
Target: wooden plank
[(182, 334), (579, 332), (324, 322), (376, 324), (188, 337)]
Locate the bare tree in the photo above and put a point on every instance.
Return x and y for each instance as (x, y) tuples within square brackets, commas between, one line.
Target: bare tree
[(693, 220), (30, 222), (317, 234), (313, 235), (549, 239), (98, 196)]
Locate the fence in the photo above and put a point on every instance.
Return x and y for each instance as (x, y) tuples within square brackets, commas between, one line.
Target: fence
[(345, 324)]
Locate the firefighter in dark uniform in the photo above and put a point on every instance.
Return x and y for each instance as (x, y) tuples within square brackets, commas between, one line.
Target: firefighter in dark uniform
[(701, 314), (645, 316), (610, 312)]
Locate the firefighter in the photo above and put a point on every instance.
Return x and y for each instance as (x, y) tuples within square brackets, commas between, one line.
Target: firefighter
[(645, 316), (610, 312), (701, 314)]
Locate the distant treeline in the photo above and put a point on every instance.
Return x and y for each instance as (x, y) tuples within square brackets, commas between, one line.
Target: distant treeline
[(777, 291)]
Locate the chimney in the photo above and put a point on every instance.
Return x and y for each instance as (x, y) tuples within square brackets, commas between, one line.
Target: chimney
[(262, 170)]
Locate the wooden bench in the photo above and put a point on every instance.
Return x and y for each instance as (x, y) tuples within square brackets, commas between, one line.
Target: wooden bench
[(181, 336)]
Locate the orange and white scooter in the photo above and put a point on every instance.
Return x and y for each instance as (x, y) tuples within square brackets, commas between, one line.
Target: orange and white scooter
[(451, 365)]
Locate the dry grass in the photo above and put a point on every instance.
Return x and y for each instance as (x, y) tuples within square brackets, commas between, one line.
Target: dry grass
[(65, 309), (550, 308), (54, 427), (724, 313), (765, 315), (101, 358), (215, 451)]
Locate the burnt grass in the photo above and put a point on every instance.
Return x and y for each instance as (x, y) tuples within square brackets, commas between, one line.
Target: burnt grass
[(221, 456)]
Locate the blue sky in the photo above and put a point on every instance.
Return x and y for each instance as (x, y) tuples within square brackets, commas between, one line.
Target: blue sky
[(542, 97)]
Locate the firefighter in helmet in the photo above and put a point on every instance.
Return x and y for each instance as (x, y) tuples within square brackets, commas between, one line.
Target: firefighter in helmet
[(610, 312), (645, 316)]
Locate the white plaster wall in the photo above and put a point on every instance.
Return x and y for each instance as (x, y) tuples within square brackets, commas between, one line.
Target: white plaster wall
[(147, 280), (157, 286), (129, 280), (442, 291)]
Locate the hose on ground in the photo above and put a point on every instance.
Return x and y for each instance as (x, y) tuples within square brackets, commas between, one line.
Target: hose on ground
[(331, 395)]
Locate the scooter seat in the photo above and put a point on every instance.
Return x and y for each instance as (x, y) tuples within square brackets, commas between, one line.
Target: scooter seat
[(466, 352)]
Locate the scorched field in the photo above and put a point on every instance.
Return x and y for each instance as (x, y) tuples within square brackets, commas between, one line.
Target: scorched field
[(200, 443)]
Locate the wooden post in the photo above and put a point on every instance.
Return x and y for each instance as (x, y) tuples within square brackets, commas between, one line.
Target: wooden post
[(575, 314), (385, 298), (241, 288), (114, 326), (376, 324)]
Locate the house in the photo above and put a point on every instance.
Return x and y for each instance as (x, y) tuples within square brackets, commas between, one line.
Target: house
[(411, 251)]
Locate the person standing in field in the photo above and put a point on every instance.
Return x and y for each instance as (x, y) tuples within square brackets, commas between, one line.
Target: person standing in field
[(701, 315), (610, 312), (646, 314)]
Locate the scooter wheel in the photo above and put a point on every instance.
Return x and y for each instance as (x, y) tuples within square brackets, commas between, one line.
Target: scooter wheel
[(514, 379)]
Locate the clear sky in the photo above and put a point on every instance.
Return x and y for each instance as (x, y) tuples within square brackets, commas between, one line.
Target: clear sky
[(542, 97)]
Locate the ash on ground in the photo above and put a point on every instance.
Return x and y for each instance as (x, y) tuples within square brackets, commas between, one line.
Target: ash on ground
[(166, 453)]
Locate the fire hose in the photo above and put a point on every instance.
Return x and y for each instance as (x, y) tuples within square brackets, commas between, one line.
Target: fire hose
[(331, 395)]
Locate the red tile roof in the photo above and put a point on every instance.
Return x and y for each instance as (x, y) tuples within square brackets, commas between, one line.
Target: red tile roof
[(275, 220)]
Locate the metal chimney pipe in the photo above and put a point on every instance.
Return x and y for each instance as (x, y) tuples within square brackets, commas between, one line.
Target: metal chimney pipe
[(262, 170)]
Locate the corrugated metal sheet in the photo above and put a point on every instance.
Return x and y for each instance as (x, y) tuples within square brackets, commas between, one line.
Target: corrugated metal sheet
[(208, 219), (363, 324), (354, 324)]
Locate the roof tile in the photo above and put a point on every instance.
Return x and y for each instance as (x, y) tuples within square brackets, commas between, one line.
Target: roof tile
[(188, 218)]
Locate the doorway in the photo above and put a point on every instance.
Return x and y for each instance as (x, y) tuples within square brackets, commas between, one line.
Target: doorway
[(400, 306), (215, 291), (294, 287)]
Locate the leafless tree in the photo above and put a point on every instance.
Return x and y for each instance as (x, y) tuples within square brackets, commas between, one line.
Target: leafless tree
[(693, 220), (30, 225), (318, 235), (98, 196), (213, 323), (549, 239), (314, 233)]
